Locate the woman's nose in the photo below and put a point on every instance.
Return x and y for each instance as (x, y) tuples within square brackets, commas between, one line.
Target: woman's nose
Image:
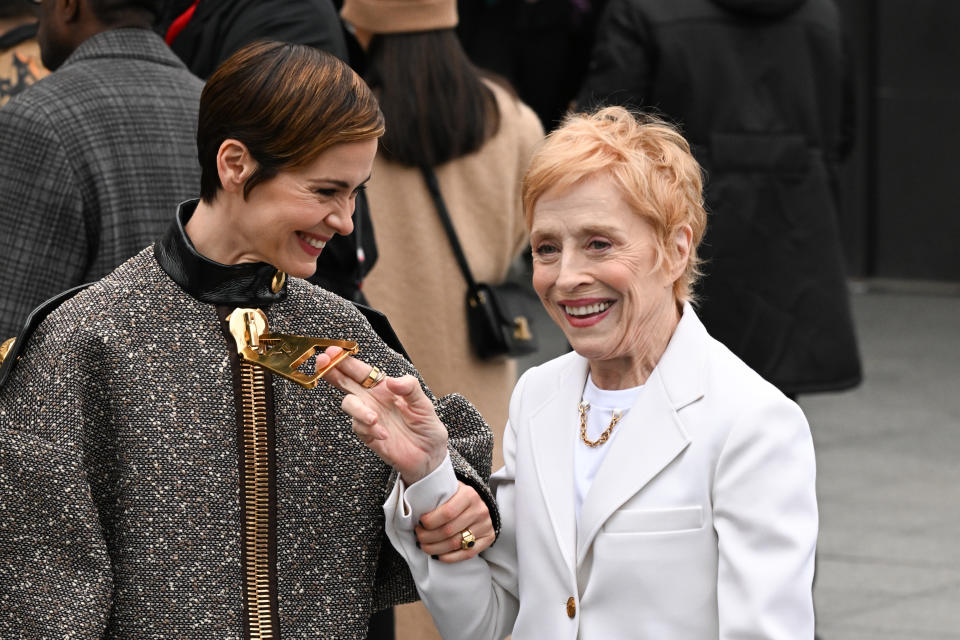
[(572, 272), (341, 220)]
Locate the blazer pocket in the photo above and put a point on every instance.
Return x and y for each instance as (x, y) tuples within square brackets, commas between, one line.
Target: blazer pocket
[(655, 520)]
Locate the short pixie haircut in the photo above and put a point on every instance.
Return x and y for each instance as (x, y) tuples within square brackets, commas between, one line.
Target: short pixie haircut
[(287, 103), (647, 159)]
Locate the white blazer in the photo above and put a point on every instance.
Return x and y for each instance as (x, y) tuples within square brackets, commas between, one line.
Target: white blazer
[(701, 523)]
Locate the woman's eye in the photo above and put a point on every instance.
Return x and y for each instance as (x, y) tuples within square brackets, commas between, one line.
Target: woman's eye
[(329, 193), (598, 245), (545, 250)]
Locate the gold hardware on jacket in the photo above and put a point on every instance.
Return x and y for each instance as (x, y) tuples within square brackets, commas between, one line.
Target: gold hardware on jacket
[(282, 353), (5, 348), (256, 503)]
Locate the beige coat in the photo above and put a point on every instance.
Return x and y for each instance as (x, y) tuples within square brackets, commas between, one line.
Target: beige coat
[(416, 281)]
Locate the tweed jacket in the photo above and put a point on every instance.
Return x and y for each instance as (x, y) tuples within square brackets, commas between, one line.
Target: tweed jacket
[(90, 159), (121, 496)]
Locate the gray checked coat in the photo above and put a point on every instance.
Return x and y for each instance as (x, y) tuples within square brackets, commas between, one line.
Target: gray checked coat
[(91, 159), (120, 511)]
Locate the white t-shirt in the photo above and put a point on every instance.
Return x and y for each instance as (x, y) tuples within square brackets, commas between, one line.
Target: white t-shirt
[(586, 459)]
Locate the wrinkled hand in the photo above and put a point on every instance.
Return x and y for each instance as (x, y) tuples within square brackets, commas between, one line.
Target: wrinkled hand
[(395, 418), (438, 532)]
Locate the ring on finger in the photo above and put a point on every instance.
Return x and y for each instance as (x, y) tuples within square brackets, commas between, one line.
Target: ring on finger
[(467, 539), (373, 378)]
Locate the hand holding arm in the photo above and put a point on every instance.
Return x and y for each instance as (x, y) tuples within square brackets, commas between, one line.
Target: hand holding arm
[(439, 532)]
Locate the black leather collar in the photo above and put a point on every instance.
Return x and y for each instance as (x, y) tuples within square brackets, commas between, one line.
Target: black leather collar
[(247, 285)]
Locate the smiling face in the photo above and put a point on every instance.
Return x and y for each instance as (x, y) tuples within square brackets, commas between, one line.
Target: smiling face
[(594, 265), (286, 220)]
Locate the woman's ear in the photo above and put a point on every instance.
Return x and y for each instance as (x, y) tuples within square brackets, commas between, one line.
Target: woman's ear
[(680, 250), (235, 165)]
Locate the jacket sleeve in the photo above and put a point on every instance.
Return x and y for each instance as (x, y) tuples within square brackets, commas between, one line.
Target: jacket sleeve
[(469, 453), (621, 62), (43, 234), (476, 599), (470, 448), (765, 515), (55, 577)]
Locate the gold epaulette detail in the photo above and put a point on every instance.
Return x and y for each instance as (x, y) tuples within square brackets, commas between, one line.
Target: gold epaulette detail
[(5, 348)]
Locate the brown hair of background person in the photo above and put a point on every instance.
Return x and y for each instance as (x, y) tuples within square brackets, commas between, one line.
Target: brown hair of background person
[(66, 24), (286, 120), (436, 104)]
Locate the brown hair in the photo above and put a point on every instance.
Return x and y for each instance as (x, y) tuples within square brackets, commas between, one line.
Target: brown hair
[(287, 103), (647, 159), (436, 103)]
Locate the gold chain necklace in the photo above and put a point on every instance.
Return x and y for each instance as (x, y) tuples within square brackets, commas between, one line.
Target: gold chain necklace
[(583, 407)]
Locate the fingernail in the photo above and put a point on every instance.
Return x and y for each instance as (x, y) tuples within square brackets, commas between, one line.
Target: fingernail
[(435, 557)]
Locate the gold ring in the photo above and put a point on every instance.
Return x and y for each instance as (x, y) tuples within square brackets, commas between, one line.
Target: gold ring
[(467, 539), (373, 378)]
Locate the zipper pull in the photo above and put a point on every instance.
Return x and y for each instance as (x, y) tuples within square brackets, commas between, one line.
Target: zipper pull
[(246, 327)]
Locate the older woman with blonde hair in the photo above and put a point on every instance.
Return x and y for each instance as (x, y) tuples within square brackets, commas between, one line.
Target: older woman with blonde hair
[(654, 486)]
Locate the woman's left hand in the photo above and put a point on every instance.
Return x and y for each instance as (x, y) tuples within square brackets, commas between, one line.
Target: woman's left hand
[(394, 417), (440, 532)]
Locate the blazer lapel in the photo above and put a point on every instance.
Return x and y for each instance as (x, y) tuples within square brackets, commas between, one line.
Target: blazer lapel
[(651, 434), (553, 434)]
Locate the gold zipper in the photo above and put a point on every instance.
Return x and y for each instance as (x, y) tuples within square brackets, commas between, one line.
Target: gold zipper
[(256, 531)]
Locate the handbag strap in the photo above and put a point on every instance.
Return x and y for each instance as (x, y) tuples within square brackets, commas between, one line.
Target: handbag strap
[(434, 187)]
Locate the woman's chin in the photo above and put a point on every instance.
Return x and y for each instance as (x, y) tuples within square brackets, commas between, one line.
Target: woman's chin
[(297, 269)]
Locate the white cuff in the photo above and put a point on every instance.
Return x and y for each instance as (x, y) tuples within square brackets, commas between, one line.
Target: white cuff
[(423, 496)]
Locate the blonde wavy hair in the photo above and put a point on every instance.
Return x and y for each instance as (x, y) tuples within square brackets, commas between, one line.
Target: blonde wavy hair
[(649, 161)]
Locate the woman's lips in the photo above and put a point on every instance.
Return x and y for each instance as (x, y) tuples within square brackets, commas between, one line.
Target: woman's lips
[(585, 312), (310, 243)]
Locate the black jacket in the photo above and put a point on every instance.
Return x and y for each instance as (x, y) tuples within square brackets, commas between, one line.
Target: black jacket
[(761, 91), (218, 28)]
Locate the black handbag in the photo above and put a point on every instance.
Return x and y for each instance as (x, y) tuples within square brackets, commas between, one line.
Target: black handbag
[(499, 317)]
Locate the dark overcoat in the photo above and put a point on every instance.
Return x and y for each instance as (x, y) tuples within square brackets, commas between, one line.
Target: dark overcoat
[(760, 90)]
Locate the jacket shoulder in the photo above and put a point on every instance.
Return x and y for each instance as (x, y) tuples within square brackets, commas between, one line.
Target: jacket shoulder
[(56, 322)]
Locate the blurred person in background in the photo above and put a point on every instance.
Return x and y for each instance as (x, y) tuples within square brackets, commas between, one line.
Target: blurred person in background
[(441, 112), (204, 33), (20, 64), (763, 90), (92, 155), (161, 474), (654, 486), (541, 47)]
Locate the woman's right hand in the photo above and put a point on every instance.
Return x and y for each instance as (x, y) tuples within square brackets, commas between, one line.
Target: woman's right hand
[(394, 418)]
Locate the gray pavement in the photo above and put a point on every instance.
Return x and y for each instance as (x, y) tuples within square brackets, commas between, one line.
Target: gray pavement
[(888, 476), (888, 473)]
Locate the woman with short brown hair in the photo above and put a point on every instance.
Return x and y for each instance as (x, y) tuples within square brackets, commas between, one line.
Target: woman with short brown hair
[(167, 469)]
